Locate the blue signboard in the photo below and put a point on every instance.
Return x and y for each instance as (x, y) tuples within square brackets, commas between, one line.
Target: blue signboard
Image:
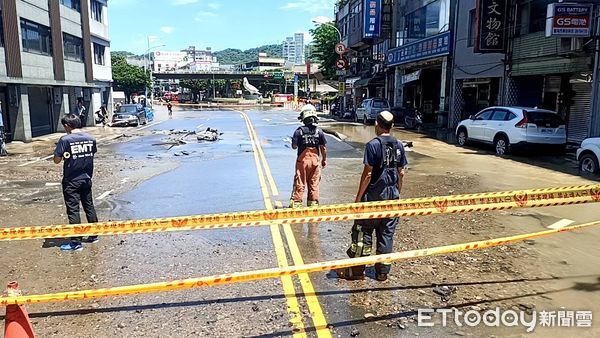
[(431, 47), (372, 23)]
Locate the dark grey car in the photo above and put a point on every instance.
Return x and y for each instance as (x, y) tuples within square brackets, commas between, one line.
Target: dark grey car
[(130, 115)]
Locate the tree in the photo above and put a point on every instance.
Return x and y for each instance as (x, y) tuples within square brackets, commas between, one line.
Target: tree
[(323, 49), (196, 86), (129, 78)]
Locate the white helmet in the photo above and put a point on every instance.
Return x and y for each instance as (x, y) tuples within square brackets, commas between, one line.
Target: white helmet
[(308, 111), (307, 107)]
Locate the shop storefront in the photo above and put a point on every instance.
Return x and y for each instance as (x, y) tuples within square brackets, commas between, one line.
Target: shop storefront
[(422, 75)]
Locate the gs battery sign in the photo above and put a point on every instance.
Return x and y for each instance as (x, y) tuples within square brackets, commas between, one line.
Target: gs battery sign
[(569, 20)]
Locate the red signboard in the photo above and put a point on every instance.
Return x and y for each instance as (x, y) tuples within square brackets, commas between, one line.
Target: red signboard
[(569, 20)]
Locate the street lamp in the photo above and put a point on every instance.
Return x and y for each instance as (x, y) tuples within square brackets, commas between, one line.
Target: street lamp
[(146, 56), (323, 20)]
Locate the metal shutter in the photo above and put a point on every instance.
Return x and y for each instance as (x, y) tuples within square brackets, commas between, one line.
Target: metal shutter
[(580, 112)]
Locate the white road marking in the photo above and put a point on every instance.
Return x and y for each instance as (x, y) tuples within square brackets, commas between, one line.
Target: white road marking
[(36, 160), (151, 125), (124, 180), (104, 195), (52, 184), (561, 224)]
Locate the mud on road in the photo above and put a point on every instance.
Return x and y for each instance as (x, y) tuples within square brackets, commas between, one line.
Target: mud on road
[(518, 276)]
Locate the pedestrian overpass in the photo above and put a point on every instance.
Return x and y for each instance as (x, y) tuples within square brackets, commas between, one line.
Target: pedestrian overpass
[(251, 76)]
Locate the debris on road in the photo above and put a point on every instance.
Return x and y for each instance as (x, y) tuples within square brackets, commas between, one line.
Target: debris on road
[(445, 291), (209, 134)]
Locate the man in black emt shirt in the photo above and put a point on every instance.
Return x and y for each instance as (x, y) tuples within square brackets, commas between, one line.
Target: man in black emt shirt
[(76, 150)]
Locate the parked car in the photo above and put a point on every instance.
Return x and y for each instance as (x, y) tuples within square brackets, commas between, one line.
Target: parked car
[(588, 156), (509, 127), (369, 109), (130, 115)]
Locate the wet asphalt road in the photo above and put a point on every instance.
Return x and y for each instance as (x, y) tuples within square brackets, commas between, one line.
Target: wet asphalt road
[(222, 177)]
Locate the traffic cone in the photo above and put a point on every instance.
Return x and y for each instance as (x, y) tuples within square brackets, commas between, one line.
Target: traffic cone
[(17, 324)]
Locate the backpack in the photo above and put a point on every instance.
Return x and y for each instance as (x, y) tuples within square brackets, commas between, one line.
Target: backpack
[(386, 185), (310, 139)]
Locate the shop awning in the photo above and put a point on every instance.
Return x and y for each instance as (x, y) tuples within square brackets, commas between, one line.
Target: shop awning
[(325, 88), (368, 81), (362, 82)]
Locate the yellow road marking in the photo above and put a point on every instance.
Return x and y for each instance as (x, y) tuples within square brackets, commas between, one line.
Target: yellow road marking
[(312, 301), (293, 307), (263, 159)]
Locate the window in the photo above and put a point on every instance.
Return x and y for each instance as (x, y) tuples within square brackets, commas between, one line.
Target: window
[(428, 20), (73, 4), (380, 104), (73, 47), (485, 115), (532, 16), (499, 115), (510, 116), (99, 54), (97, 10), (472, 25), (35, 38)]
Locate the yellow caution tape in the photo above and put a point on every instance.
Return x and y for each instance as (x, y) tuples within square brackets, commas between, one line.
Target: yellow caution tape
[(241, 277), (327, 213)]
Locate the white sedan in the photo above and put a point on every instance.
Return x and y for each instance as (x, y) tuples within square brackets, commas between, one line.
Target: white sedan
[(509, 127), (588, 156)]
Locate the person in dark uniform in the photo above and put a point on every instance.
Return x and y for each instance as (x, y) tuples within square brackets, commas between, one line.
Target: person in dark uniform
[(382, 179), (76, 150)]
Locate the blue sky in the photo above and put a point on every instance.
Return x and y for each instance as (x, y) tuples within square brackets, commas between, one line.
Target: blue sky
[(218, 24)]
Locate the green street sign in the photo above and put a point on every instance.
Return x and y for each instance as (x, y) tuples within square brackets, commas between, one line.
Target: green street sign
[(278, 75)]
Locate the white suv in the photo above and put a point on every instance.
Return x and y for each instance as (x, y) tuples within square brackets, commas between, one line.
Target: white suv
[(508, 127), (588, 156)]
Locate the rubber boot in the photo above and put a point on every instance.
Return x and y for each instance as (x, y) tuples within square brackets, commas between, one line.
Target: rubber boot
[(313, 204), (352, 273), (295, 204)]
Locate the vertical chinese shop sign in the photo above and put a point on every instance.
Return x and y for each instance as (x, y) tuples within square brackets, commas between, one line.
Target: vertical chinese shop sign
[(491, 26)]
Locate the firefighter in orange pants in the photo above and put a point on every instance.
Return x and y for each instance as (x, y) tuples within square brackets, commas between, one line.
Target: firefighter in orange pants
[(310, 142)]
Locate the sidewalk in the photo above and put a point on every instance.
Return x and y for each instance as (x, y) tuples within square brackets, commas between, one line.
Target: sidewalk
[(44, 145)]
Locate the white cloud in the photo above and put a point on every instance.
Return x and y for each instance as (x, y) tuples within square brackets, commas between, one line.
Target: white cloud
[(312, 6), (183, 2), (204, 15), (214, 6), (166, 29)]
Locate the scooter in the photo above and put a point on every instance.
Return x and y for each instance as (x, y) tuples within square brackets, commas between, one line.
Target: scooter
[(415, 121)]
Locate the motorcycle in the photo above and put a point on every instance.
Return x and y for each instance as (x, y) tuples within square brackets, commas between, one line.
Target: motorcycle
[(415, 121)]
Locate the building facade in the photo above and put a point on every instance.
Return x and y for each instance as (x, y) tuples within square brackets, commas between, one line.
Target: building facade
[(52, 55), (201, 60), (441, 60), (168, 61), (294, 50), (265, 62), (477, 79), (421, 58)]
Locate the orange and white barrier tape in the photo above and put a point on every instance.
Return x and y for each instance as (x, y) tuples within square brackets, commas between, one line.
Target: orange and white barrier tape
[(241, 277), (326, 213)]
